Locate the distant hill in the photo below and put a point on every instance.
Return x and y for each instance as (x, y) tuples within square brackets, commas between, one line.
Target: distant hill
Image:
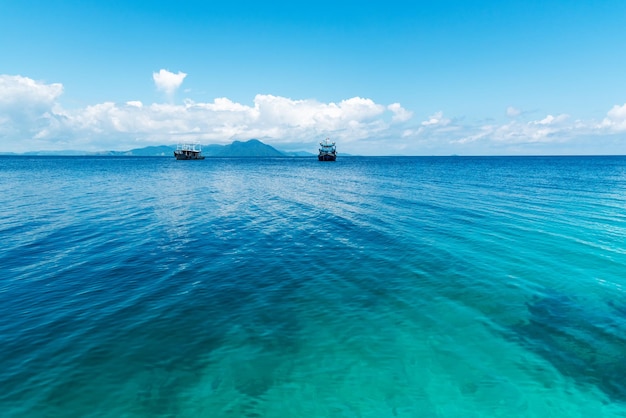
[(54, 153), (212, 150), (298, 154), (152, 151), (250, 148), (161, 150)]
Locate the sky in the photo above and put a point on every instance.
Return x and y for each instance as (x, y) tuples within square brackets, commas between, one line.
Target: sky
[(438, 77)]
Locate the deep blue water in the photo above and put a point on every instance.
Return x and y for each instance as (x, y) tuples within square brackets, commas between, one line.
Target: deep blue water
[(368, 287)]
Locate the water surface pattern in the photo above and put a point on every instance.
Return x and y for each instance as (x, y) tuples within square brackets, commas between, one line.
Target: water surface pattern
[(288, 287)]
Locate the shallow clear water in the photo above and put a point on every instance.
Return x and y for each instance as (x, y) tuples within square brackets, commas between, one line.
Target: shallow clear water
[(368, 287)]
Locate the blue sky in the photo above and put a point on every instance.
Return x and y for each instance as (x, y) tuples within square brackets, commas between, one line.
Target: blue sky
[(381, 78)]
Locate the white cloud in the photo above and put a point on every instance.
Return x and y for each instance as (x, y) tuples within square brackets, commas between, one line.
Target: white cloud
[(308, 114), (513, 112), (32, 118), (23, 91), (436, 120), (551, 120), (26, 108), (615, 119), (134, 103), (618, 112), (549, 129), (400, 114), (168, 82), (110, 125)]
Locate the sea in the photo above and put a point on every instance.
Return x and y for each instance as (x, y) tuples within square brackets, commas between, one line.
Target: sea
[(287, 287)]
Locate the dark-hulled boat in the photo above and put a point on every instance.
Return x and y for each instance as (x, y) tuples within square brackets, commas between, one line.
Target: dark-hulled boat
[(188, 152), (328, 151)]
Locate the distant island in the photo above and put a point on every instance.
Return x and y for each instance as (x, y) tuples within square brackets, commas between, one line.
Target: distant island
[(250, 148)]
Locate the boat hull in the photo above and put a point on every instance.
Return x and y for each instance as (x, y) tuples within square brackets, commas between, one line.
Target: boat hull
[(326, 157), (181, 156)]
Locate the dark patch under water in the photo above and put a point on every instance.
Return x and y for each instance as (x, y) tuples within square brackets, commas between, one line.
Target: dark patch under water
[(586, 344)]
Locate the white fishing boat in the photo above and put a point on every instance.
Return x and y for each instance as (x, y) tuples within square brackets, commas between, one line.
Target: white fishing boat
[(189, 151), (328, 151)]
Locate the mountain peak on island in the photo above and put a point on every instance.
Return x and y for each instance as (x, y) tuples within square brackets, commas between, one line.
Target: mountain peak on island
[(250, 148)]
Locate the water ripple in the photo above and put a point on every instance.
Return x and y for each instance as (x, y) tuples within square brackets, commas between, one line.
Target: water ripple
[(368, 287)]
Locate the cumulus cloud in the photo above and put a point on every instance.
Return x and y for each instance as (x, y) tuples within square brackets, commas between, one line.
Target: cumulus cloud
[(27, 107), (400, 114), (168, 82), (110, 125), (31, 117), (312, 114), (618, 112), (615, 119), (23, 91)]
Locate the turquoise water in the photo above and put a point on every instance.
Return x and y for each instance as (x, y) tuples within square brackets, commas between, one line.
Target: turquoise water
[(369, 287)]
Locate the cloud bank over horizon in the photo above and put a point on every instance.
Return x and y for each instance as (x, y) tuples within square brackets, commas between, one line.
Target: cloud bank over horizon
[(32, 118)]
